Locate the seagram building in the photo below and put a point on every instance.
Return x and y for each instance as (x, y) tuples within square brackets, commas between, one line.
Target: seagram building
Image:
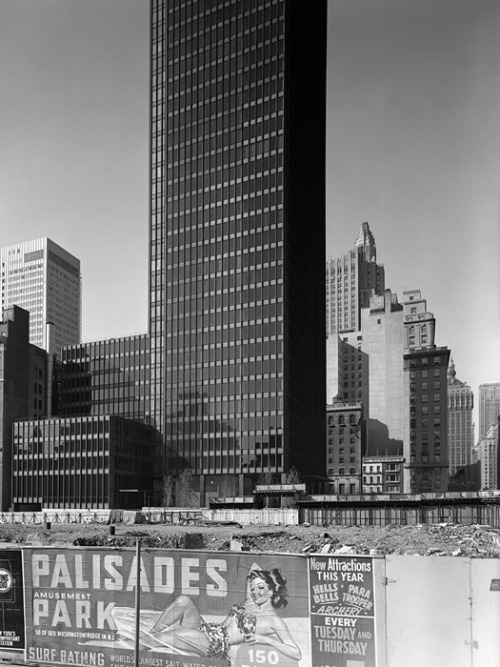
[(237, 247)]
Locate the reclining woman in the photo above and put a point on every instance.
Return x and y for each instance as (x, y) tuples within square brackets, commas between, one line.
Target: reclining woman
[(253, 621)]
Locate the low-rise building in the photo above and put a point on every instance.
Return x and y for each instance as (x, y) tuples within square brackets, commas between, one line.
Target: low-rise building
[(382, 474), (102, 462)]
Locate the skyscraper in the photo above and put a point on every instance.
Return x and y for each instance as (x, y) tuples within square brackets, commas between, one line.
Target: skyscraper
[(460, 425), (489, 407), (350, 282), (486, 453), (383, 343), (44, 279), (425, 400), (237, 238)]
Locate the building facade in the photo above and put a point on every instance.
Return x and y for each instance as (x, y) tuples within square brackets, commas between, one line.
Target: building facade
[(425, 418), (383, 343), (346, 445), (383, 474), (44, 279), (108, 376), (103, 462), (489, 407), (460, 424), (350, 282), (237, 238), (382, 353), (25, 376), (486, 454)]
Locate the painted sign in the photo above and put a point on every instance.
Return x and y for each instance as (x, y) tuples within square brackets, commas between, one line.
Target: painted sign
[(342, 611), (11, 601), (196, 609)]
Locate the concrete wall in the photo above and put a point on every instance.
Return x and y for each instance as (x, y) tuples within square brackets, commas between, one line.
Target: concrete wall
[(442, 612)]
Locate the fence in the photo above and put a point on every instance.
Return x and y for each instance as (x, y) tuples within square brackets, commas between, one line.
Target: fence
[(263, 517), (56, 516), (338, 515)]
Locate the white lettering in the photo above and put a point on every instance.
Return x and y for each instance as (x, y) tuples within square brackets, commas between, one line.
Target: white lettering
[(219, 587), (189, 577)]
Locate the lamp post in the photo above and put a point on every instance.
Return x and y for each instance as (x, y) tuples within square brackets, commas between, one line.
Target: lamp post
[(137, 600)]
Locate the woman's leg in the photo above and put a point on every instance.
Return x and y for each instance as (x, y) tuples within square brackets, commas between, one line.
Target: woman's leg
[(186, 640), (181, 611)]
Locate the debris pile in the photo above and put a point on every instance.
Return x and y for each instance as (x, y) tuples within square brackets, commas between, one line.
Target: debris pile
[(444, 539), (422, 539)]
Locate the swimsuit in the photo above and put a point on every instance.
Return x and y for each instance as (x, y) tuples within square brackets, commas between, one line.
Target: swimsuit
[(217, 636), (218, 641), (245, 623)]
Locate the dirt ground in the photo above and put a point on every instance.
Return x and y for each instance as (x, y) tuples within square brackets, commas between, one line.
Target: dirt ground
[(425, 540)]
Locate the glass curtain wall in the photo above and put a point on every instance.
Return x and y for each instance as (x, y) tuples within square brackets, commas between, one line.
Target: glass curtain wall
[(220, 238)]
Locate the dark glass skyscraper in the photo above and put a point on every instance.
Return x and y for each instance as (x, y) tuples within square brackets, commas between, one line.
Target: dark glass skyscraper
[(237, 232)]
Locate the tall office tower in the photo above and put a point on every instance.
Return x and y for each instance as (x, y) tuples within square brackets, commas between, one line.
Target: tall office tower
[(44, 279), (460, 425), (489, 406), (383, 343), (350, 282), (425, 416), (237, 238), (486, 452)]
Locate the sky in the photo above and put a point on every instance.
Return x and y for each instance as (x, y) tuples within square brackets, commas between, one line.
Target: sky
[(413, 147)]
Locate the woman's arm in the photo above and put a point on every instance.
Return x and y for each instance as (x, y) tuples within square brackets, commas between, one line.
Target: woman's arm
[(281, 639)]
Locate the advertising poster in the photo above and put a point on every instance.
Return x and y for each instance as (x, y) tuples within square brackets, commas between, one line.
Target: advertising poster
[(11, 601), (207, 609), (342, 611)]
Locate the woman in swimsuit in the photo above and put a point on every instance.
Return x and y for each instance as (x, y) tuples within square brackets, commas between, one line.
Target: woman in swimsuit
[(254, 621)]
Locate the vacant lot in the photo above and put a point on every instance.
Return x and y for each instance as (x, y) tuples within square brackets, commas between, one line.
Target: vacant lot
[(426, 540)]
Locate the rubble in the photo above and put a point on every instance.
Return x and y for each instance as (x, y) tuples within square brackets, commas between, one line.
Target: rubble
[(432, 540)]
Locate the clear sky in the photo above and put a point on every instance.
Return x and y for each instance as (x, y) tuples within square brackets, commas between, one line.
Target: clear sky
[(413, 148)]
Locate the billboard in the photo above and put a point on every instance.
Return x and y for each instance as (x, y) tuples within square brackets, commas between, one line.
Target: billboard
[(11, 601), (342, 611), (207, 609)]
